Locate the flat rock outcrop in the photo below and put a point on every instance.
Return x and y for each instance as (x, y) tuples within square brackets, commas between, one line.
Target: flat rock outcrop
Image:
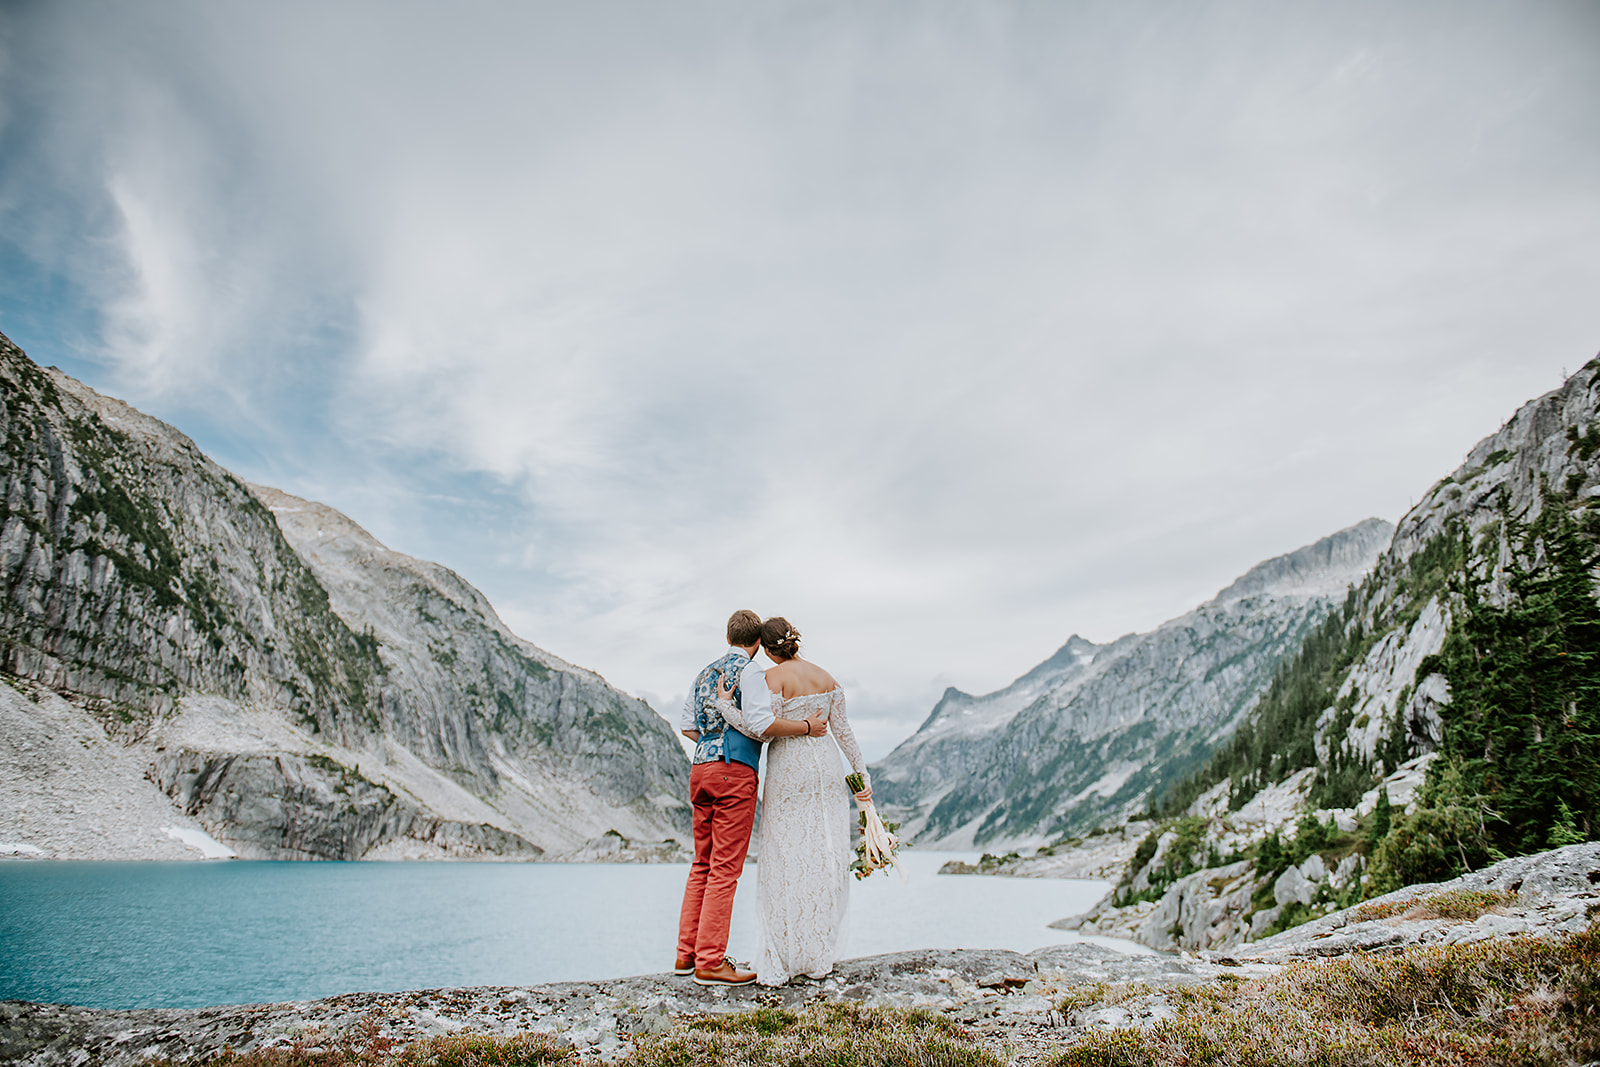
[(1006, 995), (1544, 895)]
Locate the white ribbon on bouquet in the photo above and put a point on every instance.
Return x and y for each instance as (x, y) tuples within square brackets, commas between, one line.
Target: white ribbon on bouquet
[(881, 843)]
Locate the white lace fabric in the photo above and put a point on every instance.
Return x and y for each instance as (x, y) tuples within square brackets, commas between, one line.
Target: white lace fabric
[(805, 843)]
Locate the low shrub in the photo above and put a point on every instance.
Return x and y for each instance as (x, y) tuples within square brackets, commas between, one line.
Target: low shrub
[(1523, 1001), (820, 1035), (368, 1047), (763, 1021), (1451, 904)]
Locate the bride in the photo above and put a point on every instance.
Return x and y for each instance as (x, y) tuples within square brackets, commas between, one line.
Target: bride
[(803, 859)]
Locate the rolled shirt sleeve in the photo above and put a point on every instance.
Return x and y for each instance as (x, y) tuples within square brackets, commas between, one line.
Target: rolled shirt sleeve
[(686, 718), (755, 701)]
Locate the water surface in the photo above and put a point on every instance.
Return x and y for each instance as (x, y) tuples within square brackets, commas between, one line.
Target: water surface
[(193, 934)]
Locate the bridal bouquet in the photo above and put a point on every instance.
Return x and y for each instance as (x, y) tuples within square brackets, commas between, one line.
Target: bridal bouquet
[(879, 846)]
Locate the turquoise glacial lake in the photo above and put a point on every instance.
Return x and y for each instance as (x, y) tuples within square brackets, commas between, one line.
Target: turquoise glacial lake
[(125, 935)]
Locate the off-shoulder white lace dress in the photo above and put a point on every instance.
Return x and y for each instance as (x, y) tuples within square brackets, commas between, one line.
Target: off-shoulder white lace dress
[(806, 843)]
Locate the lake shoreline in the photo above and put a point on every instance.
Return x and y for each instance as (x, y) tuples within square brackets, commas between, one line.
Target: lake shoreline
[(1023, 1006), (999, 992)]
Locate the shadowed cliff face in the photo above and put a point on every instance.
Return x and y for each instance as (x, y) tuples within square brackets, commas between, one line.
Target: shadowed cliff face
[(136, 570), (163, 595), (1090, 734)]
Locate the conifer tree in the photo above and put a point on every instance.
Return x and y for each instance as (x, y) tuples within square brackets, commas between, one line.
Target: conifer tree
[(1524, 673)]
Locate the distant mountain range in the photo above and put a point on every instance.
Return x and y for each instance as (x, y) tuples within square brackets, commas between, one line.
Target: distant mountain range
[(1094, 732), (1446, 714), (290, 686), (197, 664)]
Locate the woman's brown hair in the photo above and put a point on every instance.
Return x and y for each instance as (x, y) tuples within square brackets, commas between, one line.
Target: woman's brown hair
[(781, 640)]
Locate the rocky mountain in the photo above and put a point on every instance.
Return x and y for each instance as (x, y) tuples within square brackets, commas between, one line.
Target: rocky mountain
[(1446, 716), (1093, 732), (292, 687)]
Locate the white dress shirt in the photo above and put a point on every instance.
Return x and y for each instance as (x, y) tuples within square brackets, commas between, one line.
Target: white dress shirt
[(756, 699)]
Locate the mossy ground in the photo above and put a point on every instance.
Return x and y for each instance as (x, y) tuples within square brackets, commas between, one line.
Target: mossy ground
[(817, 1035), (1506, 1001), (1503, 1002)]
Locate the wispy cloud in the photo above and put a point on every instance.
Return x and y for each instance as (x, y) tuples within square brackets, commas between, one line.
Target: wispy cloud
[(945, 330)]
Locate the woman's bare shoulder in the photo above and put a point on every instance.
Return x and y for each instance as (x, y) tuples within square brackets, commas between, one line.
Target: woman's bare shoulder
[(822, 680)]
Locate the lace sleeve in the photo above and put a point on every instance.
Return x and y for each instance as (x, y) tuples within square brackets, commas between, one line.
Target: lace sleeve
[(839, 727), (731, 714)]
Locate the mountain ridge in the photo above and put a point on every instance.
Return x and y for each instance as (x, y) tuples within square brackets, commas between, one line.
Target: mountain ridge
[(294, 690), (957, 780)]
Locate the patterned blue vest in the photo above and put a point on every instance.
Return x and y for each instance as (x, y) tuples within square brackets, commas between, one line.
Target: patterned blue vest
[(718, 740)]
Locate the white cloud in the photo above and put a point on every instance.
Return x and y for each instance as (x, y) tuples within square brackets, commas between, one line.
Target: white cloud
[(945, 331)]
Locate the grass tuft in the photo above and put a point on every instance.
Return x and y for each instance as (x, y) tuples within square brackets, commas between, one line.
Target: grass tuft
[(368, 1047), (820, 1035), (1522, 1001), (762, 1021), (1451, 904)]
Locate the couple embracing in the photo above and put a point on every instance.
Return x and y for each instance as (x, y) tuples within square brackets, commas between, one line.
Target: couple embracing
[(803, 859)]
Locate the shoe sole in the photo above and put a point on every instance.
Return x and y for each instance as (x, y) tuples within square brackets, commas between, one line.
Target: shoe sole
[(683, 973), (723, 981)]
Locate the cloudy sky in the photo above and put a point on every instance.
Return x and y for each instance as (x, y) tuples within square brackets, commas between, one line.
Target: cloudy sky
[(947, 330)]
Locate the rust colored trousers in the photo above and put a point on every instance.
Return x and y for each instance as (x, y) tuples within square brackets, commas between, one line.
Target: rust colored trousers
[(724, 798)]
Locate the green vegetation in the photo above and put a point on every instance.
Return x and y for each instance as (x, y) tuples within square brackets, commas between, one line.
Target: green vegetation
[(1274, 855), (987, 863), (1584, 440), (1184, 856), (149, 559), (1279, 736), (1524, 675), (1522, 730), (346, 778), (1522, 1001), (818, 1035)]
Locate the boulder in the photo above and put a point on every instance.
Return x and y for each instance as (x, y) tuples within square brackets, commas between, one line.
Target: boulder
[(1202, 910), (1349, 867), (1292, 885)]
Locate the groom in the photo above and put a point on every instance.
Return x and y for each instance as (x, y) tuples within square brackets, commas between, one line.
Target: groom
[(722, 787)]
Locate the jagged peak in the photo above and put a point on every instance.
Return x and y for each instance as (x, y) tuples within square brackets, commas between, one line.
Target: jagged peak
[(1075, 652)]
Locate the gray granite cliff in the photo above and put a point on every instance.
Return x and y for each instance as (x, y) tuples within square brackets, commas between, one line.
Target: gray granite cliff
[(288, 685)]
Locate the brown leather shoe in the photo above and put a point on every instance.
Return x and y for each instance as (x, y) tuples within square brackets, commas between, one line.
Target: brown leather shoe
[(683, 966), (725, 973)]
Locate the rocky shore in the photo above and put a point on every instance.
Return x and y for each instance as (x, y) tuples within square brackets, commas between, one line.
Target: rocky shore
[(1006, 998), (1019, 1006)]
